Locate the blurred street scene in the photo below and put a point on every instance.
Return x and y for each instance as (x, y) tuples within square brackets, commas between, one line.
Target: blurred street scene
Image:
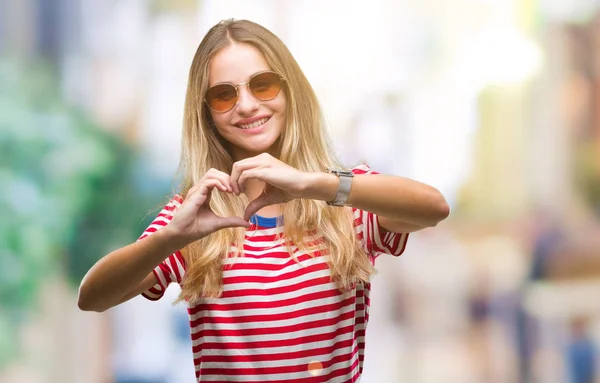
[(494, 102)]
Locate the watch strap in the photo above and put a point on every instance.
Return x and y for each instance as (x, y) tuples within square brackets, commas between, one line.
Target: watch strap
[(344, 186)]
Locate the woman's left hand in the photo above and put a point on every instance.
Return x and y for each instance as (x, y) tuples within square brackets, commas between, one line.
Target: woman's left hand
[(282, 182)]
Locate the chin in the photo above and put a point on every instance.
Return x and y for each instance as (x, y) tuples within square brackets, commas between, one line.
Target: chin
[(270, 146), (256, 150)]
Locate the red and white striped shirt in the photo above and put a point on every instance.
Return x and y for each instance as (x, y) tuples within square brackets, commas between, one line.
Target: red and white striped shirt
[(279, 319)]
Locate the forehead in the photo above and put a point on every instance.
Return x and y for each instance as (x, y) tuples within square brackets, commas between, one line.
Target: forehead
[(236, 63)]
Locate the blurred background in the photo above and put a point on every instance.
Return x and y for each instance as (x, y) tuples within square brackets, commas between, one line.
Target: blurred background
[(494, 102)]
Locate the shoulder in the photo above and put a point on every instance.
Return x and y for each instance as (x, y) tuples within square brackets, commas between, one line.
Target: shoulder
[(173, 203), (166, 212)]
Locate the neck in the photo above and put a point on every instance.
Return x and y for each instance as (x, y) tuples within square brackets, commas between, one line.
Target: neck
[(238, 154), (254, 188)]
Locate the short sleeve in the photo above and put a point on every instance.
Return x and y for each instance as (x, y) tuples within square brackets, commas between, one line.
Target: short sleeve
[(374, 238), (172, 269)]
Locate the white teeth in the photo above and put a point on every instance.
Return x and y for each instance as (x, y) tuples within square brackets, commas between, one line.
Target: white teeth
[(254, 124)]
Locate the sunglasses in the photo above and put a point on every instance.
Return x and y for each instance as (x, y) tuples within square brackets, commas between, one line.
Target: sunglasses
[(265, 86)]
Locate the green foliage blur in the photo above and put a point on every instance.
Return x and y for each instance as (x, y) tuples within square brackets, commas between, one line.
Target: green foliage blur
[(68, 197)]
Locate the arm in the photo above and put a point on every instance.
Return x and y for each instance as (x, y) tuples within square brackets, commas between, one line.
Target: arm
[(403, 205), (125, 273)]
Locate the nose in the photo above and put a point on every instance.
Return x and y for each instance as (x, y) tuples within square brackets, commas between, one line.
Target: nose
[(247, 104)]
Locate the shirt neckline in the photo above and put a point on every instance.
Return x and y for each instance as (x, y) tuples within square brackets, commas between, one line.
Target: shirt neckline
[(266, 222)]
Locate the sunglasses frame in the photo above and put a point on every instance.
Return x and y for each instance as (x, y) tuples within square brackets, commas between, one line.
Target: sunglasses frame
[(247, 83)]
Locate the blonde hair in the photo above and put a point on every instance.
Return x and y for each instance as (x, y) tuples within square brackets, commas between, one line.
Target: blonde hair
[(302, 144)]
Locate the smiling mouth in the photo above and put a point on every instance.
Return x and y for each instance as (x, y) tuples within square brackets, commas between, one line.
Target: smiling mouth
[(254, 124)]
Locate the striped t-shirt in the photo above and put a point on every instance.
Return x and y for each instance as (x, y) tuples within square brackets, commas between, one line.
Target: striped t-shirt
[(279, 319)]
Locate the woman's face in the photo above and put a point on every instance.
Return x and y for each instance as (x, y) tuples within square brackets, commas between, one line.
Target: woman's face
[(252, 126)]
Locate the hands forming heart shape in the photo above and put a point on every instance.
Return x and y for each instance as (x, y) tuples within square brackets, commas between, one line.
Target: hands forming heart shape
[(194, 219)]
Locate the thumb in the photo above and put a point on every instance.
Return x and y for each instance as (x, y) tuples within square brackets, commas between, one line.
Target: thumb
[(226, 222), (257, 204)]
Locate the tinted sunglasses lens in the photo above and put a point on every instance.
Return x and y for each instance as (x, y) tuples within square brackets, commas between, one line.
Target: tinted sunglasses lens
[(265, 86), (221, 97)]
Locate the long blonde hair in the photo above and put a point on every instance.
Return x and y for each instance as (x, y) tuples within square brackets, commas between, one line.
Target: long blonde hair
[(303, 145)]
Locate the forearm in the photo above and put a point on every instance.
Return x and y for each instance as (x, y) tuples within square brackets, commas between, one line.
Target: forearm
[(116, 274), (396, 198)]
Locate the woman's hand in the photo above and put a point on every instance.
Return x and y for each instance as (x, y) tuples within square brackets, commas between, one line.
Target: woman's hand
[(194, 219), (282, 182)]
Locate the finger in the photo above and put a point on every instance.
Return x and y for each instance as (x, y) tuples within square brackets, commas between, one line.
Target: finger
[(257, 204), (255, 173), (212, 174), (226, 222), (192, 190), (222, 176), (202, 195), (199, 187), (211, 184), (241, 166)]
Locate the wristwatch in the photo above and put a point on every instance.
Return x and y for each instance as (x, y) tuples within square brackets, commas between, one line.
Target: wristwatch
[(344, 186)]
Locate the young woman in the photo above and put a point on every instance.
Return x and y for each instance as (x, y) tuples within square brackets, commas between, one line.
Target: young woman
[(272, 242)]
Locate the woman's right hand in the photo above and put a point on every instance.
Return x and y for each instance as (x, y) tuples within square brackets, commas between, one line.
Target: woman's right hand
[(194, 219)]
